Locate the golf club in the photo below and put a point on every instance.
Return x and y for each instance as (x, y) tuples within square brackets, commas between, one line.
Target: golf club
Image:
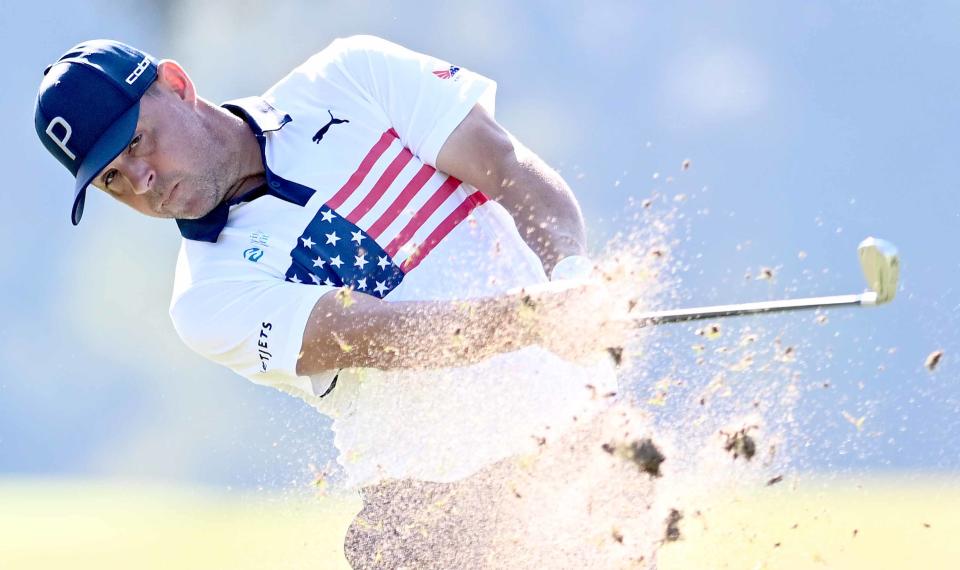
[(878, 260)]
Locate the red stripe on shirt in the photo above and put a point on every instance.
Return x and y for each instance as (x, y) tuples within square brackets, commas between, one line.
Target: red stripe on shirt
[(410, 190), (420, 217), (381, 186), (441, 231), (357, 177)]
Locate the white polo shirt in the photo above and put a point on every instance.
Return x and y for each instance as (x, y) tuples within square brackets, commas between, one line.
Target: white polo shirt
[(350, 139)]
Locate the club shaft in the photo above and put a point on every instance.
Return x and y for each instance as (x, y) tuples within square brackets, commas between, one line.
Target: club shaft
[(718, 311)]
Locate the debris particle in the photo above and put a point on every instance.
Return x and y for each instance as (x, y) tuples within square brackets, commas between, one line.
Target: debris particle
[(857, 422), (660, 399), (672, 533), (685, 165), (643, 452), (342, 343), (711, 332), (926, 525), (789, 354), (801, 254), (646, 455), (748, 339), (657, 253), (617, 535), (345, 297), (933, 359), (776, 545), (775, 480), (741, 443), (646, 203), (822, 319), (745, 363), (616, 353), (765, 274), (856, 531)]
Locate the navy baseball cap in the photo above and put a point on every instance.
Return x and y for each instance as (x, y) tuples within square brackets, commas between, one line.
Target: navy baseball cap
[(88, 107)]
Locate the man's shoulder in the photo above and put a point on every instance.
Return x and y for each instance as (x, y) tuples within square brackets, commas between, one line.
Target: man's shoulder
[(347, 49), (359, 42)]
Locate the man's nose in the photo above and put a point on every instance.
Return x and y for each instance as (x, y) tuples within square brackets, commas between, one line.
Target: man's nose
[(142, 176)]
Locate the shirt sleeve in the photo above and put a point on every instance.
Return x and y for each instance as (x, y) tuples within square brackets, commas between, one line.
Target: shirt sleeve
[(255, 328), (423, 97)]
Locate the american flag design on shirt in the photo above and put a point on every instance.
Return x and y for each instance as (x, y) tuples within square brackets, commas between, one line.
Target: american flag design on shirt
[(447, 73), (387, 217)]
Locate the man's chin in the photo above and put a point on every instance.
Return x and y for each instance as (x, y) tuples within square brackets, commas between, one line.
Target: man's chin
[(188, 211)]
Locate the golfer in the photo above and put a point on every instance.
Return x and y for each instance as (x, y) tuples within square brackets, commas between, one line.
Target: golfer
[(367, 237)]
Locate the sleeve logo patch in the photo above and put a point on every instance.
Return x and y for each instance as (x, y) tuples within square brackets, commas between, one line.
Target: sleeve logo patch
[(447, 73)]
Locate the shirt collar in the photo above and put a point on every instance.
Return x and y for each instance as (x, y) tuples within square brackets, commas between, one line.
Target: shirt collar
[(262, 118)]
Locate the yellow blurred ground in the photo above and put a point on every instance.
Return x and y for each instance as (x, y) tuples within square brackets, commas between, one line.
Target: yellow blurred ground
[(897, 522)]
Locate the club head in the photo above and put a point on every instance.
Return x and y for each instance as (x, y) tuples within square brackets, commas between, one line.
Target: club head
[(881, 267)]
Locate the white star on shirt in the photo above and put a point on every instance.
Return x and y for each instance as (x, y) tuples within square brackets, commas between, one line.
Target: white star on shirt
[(307, 242), (318, 262), (381, 287), (332, 238), (361, 284), (356, 236), (315, 279), (295, 279), (328, 281), (383, 263), (360, 261), (336, 262), (327, 215)]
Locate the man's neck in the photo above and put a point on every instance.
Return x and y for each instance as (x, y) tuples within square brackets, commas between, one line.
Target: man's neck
[(250, 167)]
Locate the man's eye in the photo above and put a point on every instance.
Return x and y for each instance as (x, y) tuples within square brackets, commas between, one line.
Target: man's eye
[(134, 142), (108, 178)]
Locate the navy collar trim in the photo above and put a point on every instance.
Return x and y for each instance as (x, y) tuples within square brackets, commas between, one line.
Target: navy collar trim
[(262, 118), (260, 115)]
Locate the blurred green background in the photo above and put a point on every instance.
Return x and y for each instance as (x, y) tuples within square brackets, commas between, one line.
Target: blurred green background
[(808, 126)]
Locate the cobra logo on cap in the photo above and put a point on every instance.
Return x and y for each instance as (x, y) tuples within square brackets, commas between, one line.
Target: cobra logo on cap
[(138, 71), (61, 142)]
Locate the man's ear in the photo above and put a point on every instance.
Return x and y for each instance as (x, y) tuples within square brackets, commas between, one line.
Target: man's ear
[(171, 75)]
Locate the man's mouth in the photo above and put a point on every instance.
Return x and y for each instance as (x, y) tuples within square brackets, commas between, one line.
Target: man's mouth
[(170, 196)]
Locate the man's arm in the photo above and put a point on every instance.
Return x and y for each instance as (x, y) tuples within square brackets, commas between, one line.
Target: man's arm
[(483, 154), (356, 330)]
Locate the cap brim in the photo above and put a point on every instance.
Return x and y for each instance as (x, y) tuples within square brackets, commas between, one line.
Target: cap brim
[(110, 145)]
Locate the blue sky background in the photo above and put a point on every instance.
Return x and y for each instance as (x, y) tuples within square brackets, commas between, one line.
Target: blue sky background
[(808, 126)]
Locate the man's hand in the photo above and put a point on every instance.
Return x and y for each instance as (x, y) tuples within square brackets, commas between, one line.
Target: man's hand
[(577, 318)]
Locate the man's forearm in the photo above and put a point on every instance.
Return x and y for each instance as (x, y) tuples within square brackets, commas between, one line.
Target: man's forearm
[(544, 208), (483, 154), (353, 330)]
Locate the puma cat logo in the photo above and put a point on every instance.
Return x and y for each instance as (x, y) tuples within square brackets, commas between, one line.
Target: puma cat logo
[(319, 136)]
